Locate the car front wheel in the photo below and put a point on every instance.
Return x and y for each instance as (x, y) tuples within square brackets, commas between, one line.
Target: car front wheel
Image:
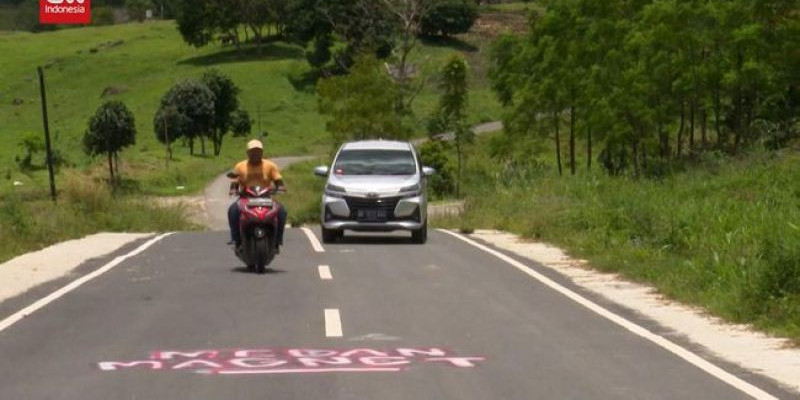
[(420, 236), (330, 235)]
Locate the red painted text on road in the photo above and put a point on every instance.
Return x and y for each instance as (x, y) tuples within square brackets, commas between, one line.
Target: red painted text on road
[(285, 361)]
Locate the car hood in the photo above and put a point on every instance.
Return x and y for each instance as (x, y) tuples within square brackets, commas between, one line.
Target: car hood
[(379, 184)]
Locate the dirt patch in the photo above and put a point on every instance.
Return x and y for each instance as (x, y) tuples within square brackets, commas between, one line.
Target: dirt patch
[(113, 90), (493, 24)]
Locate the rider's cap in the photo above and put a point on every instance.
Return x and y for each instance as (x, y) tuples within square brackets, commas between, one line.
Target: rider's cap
[(254, 144)]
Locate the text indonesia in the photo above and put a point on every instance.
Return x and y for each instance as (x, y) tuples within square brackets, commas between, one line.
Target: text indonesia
[(64, 11)]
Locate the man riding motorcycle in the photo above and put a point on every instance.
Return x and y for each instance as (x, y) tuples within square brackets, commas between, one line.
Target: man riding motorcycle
[(255, 171)]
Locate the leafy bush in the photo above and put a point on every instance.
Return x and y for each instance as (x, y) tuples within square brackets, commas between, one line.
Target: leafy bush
[(436, 154), (102, 16), (725, 235), (449, 17)]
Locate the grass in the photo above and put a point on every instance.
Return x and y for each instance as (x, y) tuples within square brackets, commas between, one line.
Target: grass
[(724, 235), (302, 199), (30, 221), (140, 62), (137, 63)]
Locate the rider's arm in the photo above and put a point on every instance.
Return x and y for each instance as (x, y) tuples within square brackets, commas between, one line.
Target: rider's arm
[(280, 185)]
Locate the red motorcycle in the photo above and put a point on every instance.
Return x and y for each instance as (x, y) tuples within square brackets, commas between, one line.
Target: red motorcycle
[(258, 226)]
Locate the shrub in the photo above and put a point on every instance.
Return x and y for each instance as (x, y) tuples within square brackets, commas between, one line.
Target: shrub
[(449, 17)]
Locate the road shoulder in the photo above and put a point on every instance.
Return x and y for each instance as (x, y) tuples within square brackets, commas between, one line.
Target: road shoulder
[(738, 344)]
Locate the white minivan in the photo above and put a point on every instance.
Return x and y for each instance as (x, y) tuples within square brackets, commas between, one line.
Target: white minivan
[(377, 186)]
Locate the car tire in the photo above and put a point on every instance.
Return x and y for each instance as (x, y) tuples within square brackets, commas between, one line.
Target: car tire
[(330, 235), (420, 236)]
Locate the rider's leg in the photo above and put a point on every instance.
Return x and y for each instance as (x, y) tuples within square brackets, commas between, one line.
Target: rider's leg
[(281, 224), (233, 222)]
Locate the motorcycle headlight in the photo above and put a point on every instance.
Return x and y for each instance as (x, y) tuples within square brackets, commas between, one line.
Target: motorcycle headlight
[(334, 190)]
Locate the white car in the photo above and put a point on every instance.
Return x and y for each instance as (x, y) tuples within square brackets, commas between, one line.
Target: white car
[(376, 186)]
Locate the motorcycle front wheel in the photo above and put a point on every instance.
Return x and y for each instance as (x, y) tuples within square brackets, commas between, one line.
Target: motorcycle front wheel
[(261, 252)]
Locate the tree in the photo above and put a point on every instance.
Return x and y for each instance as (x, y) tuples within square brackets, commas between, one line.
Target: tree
[(188, 109), (111, 129), (452, 108), (241, 123), (362, 104), (449, 17), (226, 101), (364, 26), (168, 125), (138, 8), (30, 144)]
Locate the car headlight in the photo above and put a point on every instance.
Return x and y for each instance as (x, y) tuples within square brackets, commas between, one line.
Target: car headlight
[(334, 190), (411, 191)]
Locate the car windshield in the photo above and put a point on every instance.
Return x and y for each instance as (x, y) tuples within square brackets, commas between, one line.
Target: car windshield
[(375, 162)]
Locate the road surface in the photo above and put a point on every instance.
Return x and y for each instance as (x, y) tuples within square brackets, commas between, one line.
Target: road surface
[(373, 317)]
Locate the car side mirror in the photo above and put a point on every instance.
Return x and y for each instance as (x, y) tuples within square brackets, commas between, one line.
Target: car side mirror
[(322, 171), (428, 171)]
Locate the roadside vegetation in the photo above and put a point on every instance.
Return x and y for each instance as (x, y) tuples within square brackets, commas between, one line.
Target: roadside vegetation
[(136, 65), (720, 232), (657, 139)]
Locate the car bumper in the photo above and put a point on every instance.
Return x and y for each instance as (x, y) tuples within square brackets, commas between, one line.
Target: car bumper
[(408, 214)]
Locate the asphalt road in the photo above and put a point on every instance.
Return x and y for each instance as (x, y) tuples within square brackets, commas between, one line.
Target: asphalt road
[(372, 317)]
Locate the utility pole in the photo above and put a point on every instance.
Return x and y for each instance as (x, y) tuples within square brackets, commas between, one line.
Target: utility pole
[(47, 136)]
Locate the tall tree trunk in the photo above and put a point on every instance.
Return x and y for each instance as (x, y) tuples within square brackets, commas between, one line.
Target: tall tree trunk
[(635, 155), (679, 143), (572, 139), (588, 147), (556, 124), (663, 137), (691, 126), (703, 126), (459, 167), (203, 144), (191, 146), (722, 139), (111, 168), (643, 149)]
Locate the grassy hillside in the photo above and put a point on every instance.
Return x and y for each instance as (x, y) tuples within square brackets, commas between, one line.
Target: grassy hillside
[(137, 63)]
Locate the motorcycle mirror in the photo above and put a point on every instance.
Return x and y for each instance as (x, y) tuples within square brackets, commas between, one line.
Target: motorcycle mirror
[(232, 175)]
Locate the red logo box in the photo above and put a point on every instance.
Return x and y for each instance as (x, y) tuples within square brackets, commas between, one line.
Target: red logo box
[(65, 11)]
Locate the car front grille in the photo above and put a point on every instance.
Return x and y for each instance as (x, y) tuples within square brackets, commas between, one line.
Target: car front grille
[(361, 203)]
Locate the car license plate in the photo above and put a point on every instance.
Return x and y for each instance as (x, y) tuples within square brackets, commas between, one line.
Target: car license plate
[(371, 215)]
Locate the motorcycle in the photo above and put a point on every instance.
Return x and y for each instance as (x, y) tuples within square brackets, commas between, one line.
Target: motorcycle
[(258, 226)]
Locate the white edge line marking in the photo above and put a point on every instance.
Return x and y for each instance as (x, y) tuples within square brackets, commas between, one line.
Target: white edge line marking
[(333, 323), (673, 348), (16, 317), (325, 273), (313, 239), (306, 371)]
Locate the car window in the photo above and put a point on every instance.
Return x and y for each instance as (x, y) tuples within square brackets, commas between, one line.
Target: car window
[(375, 162)]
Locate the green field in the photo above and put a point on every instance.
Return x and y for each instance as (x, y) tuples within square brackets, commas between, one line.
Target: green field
[(137, 63)]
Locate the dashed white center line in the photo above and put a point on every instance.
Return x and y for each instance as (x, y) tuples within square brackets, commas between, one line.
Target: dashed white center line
[(333, 323), (325, 273), (314, 241)]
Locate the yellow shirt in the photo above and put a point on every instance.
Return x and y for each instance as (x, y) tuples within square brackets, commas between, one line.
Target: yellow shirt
[(263, 174)]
